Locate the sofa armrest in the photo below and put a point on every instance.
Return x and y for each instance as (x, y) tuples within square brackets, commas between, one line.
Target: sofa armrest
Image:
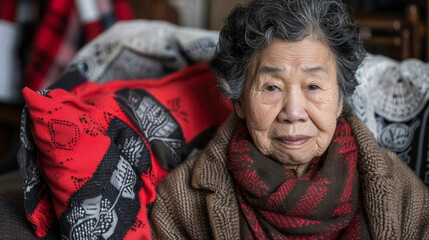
[(13, 221)]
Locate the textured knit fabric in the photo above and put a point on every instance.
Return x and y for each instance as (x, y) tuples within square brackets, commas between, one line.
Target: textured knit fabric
[(198, 201), (143, 49), (95, 154), (321, 204)]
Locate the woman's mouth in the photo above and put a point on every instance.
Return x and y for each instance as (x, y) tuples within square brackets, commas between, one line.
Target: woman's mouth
[(293, 140)]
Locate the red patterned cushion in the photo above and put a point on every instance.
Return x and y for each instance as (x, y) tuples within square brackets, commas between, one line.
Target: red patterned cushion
[(102, 149)]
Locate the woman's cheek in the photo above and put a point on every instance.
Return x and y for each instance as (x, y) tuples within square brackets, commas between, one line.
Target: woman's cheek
[(260, 115), (317, 98)]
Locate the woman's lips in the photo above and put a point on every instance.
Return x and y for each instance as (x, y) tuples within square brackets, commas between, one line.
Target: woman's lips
[(293, 140)]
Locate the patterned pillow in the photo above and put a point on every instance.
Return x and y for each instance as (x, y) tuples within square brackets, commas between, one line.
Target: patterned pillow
[(100, 150), (392, 99)]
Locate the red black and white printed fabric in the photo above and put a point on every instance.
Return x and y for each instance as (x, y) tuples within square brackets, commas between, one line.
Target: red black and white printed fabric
[(66, 26), (91, 157)]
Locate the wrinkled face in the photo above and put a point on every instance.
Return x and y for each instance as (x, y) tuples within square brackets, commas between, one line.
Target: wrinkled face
[(291, 100)]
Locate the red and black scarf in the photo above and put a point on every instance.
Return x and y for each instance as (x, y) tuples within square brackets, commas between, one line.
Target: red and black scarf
[(322, 204)]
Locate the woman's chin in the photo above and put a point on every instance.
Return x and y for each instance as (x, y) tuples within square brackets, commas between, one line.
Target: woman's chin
[(293, 154), (293, 158)]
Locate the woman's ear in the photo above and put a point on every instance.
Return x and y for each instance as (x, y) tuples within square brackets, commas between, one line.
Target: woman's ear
[(239, 109)]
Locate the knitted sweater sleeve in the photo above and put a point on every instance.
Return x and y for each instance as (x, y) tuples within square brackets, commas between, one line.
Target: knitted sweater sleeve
[(412, 200), (164, 222), (179, 211)]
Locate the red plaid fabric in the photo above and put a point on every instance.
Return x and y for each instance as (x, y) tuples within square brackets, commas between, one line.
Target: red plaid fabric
[(59, 36), (90, 17), (8, 10), (48, 41), (123, 10), (93, 29)]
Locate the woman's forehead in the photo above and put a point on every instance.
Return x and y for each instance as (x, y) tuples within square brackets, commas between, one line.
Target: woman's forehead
[(308, 56)]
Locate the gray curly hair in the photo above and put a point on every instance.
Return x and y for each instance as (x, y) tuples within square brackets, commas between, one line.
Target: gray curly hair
[(254, 26)]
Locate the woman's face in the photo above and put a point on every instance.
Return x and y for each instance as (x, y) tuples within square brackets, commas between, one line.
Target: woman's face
[(291, 100)]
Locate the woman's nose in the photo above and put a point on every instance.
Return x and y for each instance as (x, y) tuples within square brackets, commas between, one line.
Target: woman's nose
[(293, 109)]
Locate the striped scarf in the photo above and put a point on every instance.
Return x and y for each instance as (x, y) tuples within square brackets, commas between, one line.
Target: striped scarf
[(322, 204)]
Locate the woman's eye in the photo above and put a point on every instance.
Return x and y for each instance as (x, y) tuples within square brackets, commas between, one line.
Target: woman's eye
[(313, 87), (271, 94), (272, 88)]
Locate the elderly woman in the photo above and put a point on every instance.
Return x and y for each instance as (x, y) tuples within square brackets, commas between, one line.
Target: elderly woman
[(293, 161)]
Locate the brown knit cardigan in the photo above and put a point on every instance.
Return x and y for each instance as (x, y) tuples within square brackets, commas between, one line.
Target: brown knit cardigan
[(197, 200)]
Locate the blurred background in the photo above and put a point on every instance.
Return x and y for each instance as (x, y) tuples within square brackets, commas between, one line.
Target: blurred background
[(39, 38)]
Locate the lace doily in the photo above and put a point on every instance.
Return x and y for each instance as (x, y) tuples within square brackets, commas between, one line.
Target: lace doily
[(397, 91)]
